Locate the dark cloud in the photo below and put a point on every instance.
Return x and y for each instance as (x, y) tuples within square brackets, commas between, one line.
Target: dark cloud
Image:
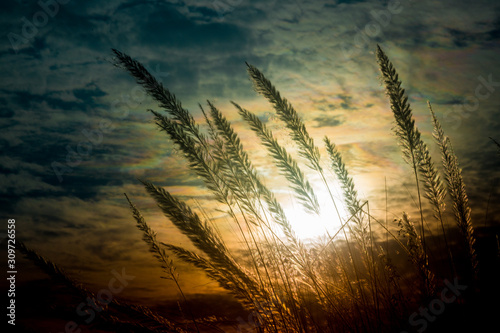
[(29, 101), (166, 26), (105, 248), (338, 3), (6, 112), (490, 33), (89, 93), (346, 102), (328, 121), (464, 38), (205, 14)]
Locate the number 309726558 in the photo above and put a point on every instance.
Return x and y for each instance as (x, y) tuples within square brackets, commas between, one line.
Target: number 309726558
[(11, 241)]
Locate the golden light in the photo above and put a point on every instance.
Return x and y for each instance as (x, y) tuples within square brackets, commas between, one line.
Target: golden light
[(308, 226)]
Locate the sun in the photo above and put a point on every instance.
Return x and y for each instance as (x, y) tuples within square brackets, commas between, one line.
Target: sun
[(309, 226)]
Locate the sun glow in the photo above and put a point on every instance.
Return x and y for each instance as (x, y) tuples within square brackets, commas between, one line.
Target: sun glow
[(309, 226)]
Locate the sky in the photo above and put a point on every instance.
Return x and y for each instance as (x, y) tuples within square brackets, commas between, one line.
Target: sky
[(75, 133)]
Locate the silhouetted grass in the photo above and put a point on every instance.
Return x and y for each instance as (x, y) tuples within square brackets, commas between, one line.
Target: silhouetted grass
[(332, 284)]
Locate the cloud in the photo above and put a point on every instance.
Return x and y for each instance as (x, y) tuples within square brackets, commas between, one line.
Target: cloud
[(6, 112), (325, 121), (22, 183)]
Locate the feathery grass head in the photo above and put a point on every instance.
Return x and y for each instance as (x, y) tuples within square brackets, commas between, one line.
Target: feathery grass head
[(349, 192), (409, 138), (284, 161), (405, 129), (155, 89), (149, 236), (115, 313), (289, 116), (458, 194)]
